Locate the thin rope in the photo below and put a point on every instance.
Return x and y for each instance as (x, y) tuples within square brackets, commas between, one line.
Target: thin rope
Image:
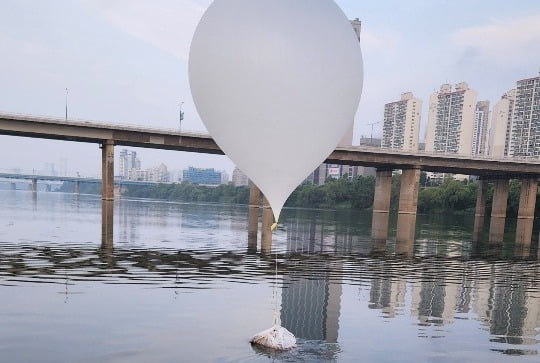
[(276, 317)]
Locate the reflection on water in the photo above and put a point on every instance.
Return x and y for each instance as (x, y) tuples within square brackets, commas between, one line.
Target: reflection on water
[(337, 288)]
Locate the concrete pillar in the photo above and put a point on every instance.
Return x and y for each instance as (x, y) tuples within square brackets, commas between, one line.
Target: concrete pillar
[(107, 223), (253, 215), (479, 216), (498, 211), (381, 205), (267, 221), (408, 201), (34, 185), (77, 187), (107, 170), (522, 250), (527, 203)]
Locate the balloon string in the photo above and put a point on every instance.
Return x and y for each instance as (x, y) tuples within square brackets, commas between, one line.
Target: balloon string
[(276, 317), (277, 321)]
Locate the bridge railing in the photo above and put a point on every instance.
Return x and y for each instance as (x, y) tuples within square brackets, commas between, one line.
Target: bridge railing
[(102, 124), (371, 149), (383, 150)]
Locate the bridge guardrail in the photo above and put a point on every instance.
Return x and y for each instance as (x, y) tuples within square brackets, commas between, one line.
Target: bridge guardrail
[(370, 149)]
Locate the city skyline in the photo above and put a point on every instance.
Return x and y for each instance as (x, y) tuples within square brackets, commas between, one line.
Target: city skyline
[(136, 55), (453, 126)]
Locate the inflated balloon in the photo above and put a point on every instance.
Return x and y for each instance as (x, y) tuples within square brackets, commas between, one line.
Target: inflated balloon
[(277, 84)]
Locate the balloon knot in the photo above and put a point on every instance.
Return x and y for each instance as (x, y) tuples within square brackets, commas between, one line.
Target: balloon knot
[(274, 226)]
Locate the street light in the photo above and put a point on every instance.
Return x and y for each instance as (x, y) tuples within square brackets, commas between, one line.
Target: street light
[(371, 137), (67, 103), (181, 114)]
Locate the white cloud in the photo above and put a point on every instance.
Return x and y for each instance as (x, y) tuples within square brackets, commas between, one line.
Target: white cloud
[(513, 42), (168, 25), (381, 41)]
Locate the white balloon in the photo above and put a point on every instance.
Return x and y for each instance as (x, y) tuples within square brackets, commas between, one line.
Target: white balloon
[(277, 84)]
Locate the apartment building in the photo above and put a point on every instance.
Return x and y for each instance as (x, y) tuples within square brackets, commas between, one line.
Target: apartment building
[(501, 125), (401, 123), (525, 134), (451, 119), (481, 121)]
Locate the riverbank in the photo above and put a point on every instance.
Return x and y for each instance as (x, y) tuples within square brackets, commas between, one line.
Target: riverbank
[(451, 196)]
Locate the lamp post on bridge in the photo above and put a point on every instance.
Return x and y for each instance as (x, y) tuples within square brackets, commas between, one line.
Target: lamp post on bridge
[(67, 91), (181, 115), (371, 136)]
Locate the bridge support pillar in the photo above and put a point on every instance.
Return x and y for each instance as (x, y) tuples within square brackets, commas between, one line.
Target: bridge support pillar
[(107, 170), (34, 185), (107, 223), (253, 215), (267, 221), (498, 211), (479, 216), (77, 187), (527, 203), (381, 205), (408, 202)]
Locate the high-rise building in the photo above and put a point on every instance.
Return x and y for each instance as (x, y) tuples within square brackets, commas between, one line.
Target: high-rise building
[(158, 174), (501, 125), (401, 124), (128, 161), (239, 179), (451, 119), (202, 176), (481, 120), (525, 134)]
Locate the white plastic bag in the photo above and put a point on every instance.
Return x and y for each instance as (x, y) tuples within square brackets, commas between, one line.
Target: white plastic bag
[(277, 337)]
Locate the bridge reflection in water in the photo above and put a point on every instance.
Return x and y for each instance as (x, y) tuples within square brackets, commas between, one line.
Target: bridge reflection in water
[(440, 282), (490, 283)]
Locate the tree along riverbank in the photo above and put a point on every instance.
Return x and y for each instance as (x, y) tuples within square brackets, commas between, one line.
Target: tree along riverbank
[(451, 195)]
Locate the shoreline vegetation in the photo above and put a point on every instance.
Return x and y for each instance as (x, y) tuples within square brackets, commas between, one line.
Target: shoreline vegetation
[(450, 196)]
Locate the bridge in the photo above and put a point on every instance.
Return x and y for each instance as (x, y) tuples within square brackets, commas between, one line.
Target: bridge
[(145, 137), (498, 171), (74, 179)]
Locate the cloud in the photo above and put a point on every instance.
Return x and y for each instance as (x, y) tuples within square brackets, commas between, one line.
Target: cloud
[(381, 41), (512, 42), (169, 26)]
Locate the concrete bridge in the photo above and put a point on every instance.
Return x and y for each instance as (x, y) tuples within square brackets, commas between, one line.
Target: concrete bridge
[(77, 180), (498, 171)]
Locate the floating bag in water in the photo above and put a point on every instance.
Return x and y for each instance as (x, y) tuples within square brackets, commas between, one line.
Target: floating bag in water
[(276, 337)]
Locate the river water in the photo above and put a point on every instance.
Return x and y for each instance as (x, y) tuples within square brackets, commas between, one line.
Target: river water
[(181, 285)]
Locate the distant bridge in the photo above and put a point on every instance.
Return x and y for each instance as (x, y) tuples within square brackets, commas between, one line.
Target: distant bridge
[(74, 179)]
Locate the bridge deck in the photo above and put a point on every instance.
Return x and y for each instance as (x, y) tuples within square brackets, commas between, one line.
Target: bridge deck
[(95, 132)]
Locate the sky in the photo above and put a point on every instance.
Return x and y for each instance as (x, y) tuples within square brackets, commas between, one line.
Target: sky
[(125, 62)]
